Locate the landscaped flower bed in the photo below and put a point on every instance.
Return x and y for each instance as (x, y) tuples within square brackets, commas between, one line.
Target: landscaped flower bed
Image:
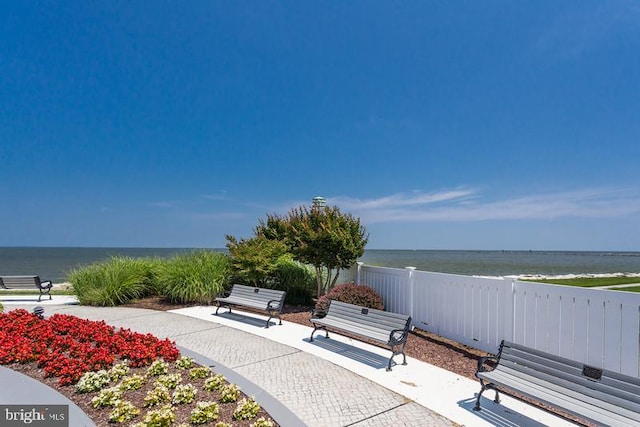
[(120, 376)]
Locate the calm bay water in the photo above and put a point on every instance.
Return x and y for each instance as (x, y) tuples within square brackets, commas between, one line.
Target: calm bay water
[(55, 263), (504, 263)]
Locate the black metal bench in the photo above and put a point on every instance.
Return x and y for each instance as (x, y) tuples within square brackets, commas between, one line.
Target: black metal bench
[(269, 300), (387, 328), (597, 395), (27, 282)]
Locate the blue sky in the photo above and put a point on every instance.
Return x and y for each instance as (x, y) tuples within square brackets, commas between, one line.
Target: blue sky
[(442, 125)]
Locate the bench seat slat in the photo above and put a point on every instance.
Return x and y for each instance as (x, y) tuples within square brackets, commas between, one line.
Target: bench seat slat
[(591, 409), (566, 377), (595, 397), (354, 328)]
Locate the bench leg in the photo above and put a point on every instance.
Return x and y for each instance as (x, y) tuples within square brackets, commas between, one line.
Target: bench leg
[(222, 305), (482, 390), (315, 328), (273, 313), (47, 292)]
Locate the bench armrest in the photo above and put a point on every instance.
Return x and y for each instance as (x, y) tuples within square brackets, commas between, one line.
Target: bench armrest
[(274, 304), (398, 336), (482, 363), (318, 314), (224, 293), (46, 284)]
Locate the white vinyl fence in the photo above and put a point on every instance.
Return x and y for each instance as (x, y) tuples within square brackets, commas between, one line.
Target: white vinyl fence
[(596, 327)]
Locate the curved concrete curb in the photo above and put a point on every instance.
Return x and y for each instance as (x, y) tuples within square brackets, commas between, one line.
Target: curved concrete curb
[(280, 413), (20, 389)]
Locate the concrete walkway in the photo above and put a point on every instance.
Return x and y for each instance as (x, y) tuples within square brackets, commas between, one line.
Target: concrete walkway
[(330, 382)]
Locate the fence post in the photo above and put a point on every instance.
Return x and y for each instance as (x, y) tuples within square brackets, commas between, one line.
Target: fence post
[(411, 281), (358, 272)]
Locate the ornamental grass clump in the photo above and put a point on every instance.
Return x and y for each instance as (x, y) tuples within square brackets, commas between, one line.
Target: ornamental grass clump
[(197, 277), (115, 281), (353, 294)]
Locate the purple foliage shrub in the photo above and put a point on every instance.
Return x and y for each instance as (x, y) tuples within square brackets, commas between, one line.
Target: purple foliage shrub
[(353, 294)]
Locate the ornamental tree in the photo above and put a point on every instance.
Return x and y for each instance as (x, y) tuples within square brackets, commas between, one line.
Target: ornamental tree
[(255, 259), (322, 236)]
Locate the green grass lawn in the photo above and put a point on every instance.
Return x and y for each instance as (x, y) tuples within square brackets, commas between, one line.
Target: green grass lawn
[(589, 282)]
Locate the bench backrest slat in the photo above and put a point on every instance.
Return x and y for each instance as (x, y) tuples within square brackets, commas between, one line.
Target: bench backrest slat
[(373, 319), (8, 282), (259, 295)]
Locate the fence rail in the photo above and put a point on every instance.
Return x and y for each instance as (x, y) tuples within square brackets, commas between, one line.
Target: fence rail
[(594, 326)]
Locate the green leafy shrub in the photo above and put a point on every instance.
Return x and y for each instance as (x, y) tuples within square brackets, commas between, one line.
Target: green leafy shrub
[(215, 382), (353, 294), (262, 422), (133, 382), (161, 417), (222, 424), (185, 393), (254, 260), (92, 381), (184, 362), (297, 279), (1, 308), (229, 393), (157, 395), (199, 372), (204, 412), (246, 410), (118, 371), (157, 368), (115, 281), (170, 381), (107, 397), (123, 411), (197, 277)]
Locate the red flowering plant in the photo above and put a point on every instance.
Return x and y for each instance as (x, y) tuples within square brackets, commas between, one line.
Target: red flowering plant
[(66, 346)]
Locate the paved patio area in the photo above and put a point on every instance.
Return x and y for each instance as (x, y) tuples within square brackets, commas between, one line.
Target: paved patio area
[(329, 382)]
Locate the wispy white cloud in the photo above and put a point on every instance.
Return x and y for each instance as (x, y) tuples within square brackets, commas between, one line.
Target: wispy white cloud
[(222, 195), (414, 198), (470, 205)]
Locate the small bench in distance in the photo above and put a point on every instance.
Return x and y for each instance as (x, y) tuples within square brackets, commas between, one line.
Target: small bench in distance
[(27, 282), (269, 300)]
